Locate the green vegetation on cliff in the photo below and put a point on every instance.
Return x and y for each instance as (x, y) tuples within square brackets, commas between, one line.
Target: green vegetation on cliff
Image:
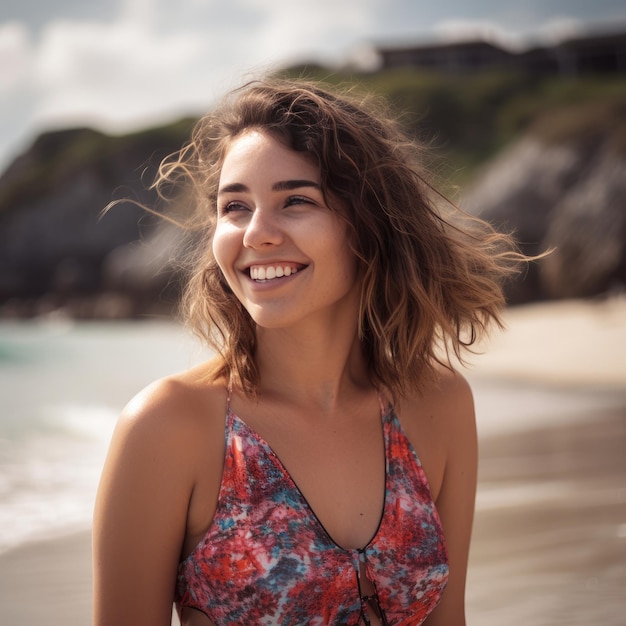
[(468, 118), (55, 158)]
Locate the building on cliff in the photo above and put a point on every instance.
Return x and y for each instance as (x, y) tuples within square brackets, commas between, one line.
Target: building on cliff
[(601, 53)]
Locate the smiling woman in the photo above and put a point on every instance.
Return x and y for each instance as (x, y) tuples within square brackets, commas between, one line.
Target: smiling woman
[(321, 469)]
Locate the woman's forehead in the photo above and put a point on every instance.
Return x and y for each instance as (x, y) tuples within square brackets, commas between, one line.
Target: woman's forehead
[(260, 152)]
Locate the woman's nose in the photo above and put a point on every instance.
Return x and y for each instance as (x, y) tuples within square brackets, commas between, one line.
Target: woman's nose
[(262, 230)]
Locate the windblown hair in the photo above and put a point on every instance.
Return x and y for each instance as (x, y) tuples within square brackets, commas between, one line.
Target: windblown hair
[(430, 285)]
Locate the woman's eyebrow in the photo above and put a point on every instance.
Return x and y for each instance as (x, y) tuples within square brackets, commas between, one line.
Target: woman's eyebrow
[(232, 188), (281, 185), (288, 185)]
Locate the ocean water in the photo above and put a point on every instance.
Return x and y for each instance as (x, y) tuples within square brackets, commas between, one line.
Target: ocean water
[(62, 386)]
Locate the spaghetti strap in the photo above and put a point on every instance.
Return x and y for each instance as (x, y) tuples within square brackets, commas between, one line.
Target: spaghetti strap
[(383, 408), (229, 393)]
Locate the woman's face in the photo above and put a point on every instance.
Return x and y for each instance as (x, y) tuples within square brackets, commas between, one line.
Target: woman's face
[(283, 252)]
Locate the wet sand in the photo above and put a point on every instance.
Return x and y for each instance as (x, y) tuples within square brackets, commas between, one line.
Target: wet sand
[(47, 582), (549, 545)]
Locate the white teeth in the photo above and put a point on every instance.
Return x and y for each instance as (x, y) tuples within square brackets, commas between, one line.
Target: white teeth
[(270, 272)]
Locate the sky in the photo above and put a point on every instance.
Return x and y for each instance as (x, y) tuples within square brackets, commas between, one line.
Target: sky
[(120, 65)]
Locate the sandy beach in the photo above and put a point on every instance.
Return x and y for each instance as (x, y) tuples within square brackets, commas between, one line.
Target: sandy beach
[(549, 544)]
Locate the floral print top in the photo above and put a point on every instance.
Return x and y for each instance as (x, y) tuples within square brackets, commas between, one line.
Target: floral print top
[(266, 558)]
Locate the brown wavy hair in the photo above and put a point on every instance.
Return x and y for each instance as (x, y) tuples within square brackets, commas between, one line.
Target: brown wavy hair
[(431, 276)]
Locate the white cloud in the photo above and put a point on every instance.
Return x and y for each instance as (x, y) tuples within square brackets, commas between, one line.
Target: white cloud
[(17, 89), (98, 54), (112, 72), (15, 56), (321, 30), (141, 11), (116, 76), (137, 69)]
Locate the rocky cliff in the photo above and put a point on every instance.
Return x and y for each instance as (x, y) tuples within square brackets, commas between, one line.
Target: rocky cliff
[(54, 240), (562, 187)]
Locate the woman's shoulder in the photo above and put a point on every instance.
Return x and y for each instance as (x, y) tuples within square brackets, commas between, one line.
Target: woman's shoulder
[(177, 408), (447, 397)]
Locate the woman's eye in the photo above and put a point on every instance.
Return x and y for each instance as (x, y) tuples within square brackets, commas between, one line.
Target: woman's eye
[(294, 200), (232, 206)]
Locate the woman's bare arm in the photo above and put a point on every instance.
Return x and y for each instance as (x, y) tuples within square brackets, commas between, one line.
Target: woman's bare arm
[(141, 511), (455, 428)]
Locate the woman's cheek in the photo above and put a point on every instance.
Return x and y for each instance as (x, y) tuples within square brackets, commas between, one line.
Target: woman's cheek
[(220, 250), (226, 247)]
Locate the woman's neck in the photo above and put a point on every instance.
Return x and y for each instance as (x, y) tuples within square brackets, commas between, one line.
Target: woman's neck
[(318, 367)]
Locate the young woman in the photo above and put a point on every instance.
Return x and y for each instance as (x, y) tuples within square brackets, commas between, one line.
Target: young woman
[(321, 469)]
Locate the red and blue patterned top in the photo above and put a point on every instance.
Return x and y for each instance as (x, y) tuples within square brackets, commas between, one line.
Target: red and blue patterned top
[(267, 559)]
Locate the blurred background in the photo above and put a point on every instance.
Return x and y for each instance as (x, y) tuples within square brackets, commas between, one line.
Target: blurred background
[(524, 107)]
